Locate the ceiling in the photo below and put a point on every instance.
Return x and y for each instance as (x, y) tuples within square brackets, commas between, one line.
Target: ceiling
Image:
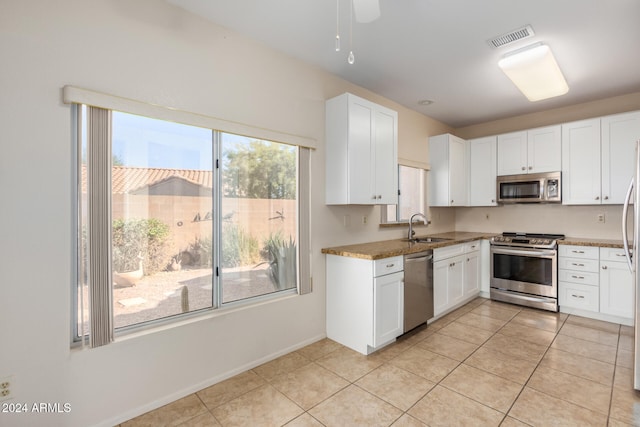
[(437, 49)]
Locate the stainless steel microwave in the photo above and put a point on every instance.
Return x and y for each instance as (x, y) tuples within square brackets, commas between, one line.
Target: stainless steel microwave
[(530, 188)]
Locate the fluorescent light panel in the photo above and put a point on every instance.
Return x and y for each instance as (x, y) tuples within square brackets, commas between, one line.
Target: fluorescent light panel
[(534, 70)]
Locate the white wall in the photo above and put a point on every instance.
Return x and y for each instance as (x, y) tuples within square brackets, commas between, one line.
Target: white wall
[(149, 51)]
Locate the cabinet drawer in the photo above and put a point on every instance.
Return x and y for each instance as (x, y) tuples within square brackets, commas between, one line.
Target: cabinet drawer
[(612, 254), (590, 252), (472, 246), (582, 277), (578, 296), (387, 266), (578, 264), (448, 251)]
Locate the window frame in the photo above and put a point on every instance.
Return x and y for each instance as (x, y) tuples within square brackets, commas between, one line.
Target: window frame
[(384, 217), (77, 97)]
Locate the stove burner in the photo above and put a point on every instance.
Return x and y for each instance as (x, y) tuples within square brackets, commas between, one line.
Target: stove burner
[(533, 240)]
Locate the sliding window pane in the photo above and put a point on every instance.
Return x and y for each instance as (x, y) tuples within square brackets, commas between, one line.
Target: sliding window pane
[(259, 211), (162, 214)]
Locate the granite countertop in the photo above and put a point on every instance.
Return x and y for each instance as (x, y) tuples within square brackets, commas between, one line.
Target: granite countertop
[(389, 248), (585, 241), (397, 247)]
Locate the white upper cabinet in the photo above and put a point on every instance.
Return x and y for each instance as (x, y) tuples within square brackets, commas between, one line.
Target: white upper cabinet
[(619, 133), (581, 162), (482, 171), (598, 159), (362, 152), (531, 151), (448, 177)]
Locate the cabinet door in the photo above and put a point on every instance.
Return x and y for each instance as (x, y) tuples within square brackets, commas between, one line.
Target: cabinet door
[(617, 295), (512, 153), (544, 149), (472, 274), (482, 171), (619, 134), (455, 282), (458, 171), (388, 313), (360, 152), (385, 172), (581, 162), (440, 293)]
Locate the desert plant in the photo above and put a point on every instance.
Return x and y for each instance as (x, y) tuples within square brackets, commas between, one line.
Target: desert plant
[(238, 247), (282, 261), (139, 237), (201, 251)]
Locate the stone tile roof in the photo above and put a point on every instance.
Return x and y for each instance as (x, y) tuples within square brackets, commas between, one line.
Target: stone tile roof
[(126, 179)]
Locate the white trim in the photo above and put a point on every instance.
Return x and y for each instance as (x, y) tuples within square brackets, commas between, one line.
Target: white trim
[(140, 410), (414, 163), (76, 95)]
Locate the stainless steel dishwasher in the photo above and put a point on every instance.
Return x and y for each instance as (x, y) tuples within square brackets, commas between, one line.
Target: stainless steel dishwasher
[(418, 289)]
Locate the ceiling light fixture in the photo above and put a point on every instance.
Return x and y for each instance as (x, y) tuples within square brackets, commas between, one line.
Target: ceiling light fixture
[(425, 102), (534, 70), (351, 59), (337, 25), (366, 11)]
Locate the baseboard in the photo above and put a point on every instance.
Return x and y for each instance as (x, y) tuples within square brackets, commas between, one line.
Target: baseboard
[(121, 418)]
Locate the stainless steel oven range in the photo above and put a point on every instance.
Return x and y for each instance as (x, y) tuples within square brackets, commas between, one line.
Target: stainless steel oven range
[(524, 269)]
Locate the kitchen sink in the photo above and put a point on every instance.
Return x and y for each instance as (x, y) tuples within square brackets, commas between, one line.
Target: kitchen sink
[(427, 240)]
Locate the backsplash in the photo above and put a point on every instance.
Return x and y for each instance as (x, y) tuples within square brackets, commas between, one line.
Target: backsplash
[(574, 221)]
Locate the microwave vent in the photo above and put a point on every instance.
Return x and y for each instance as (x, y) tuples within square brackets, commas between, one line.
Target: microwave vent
[(512, 36)]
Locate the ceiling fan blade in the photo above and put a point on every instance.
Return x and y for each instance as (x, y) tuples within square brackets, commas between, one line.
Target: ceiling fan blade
[(366, 10)]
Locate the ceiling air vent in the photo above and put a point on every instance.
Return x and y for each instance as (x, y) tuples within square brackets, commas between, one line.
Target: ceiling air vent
[(512, 36)]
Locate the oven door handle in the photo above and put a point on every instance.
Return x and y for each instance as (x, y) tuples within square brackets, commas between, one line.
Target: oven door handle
[(524, 252)]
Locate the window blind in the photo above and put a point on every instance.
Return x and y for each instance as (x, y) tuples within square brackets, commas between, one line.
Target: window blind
[(99, 226)]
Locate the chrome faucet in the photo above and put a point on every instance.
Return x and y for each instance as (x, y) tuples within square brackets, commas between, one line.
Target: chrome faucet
[(411, 232)]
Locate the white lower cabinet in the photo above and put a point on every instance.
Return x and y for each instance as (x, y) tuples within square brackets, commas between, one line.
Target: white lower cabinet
[(617, 293), (595, 282), (365, 301), (456, 275)]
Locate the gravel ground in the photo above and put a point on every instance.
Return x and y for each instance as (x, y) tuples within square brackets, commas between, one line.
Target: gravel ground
[(159, 295)]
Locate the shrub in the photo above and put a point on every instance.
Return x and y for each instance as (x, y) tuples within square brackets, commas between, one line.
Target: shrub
[(238, 247), (135, 237)]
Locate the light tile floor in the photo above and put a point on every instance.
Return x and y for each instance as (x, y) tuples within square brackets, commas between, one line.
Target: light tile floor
[(487, 363)]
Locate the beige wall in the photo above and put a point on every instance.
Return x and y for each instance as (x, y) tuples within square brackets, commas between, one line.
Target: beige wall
[(603, 107)]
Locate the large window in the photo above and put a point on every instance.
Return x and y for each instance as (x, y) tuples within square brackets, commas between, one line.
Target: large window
[(175, 219)]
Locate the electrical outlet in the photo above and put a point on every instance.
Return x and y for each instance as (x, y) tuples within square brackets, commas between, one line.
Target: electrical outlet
[(364, 219), (601, 217), (6, 388)]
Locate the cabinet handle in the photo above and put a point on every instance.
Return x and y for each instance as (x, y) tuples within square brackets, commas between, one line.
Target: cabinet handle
[(524, 168), (577, 277), (530, 167), (620, 255), (374, 197), (576, 264), (379, 196), (597, 197), (390, 265), (606, 197), (493, 200), (452, 202), (604, 267), (577, 296), (578, 252)]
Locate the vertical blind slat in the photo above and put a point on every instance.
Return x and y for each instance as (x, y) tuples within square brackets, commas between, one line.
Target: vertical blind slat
[(99, 221), (304, 214)]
